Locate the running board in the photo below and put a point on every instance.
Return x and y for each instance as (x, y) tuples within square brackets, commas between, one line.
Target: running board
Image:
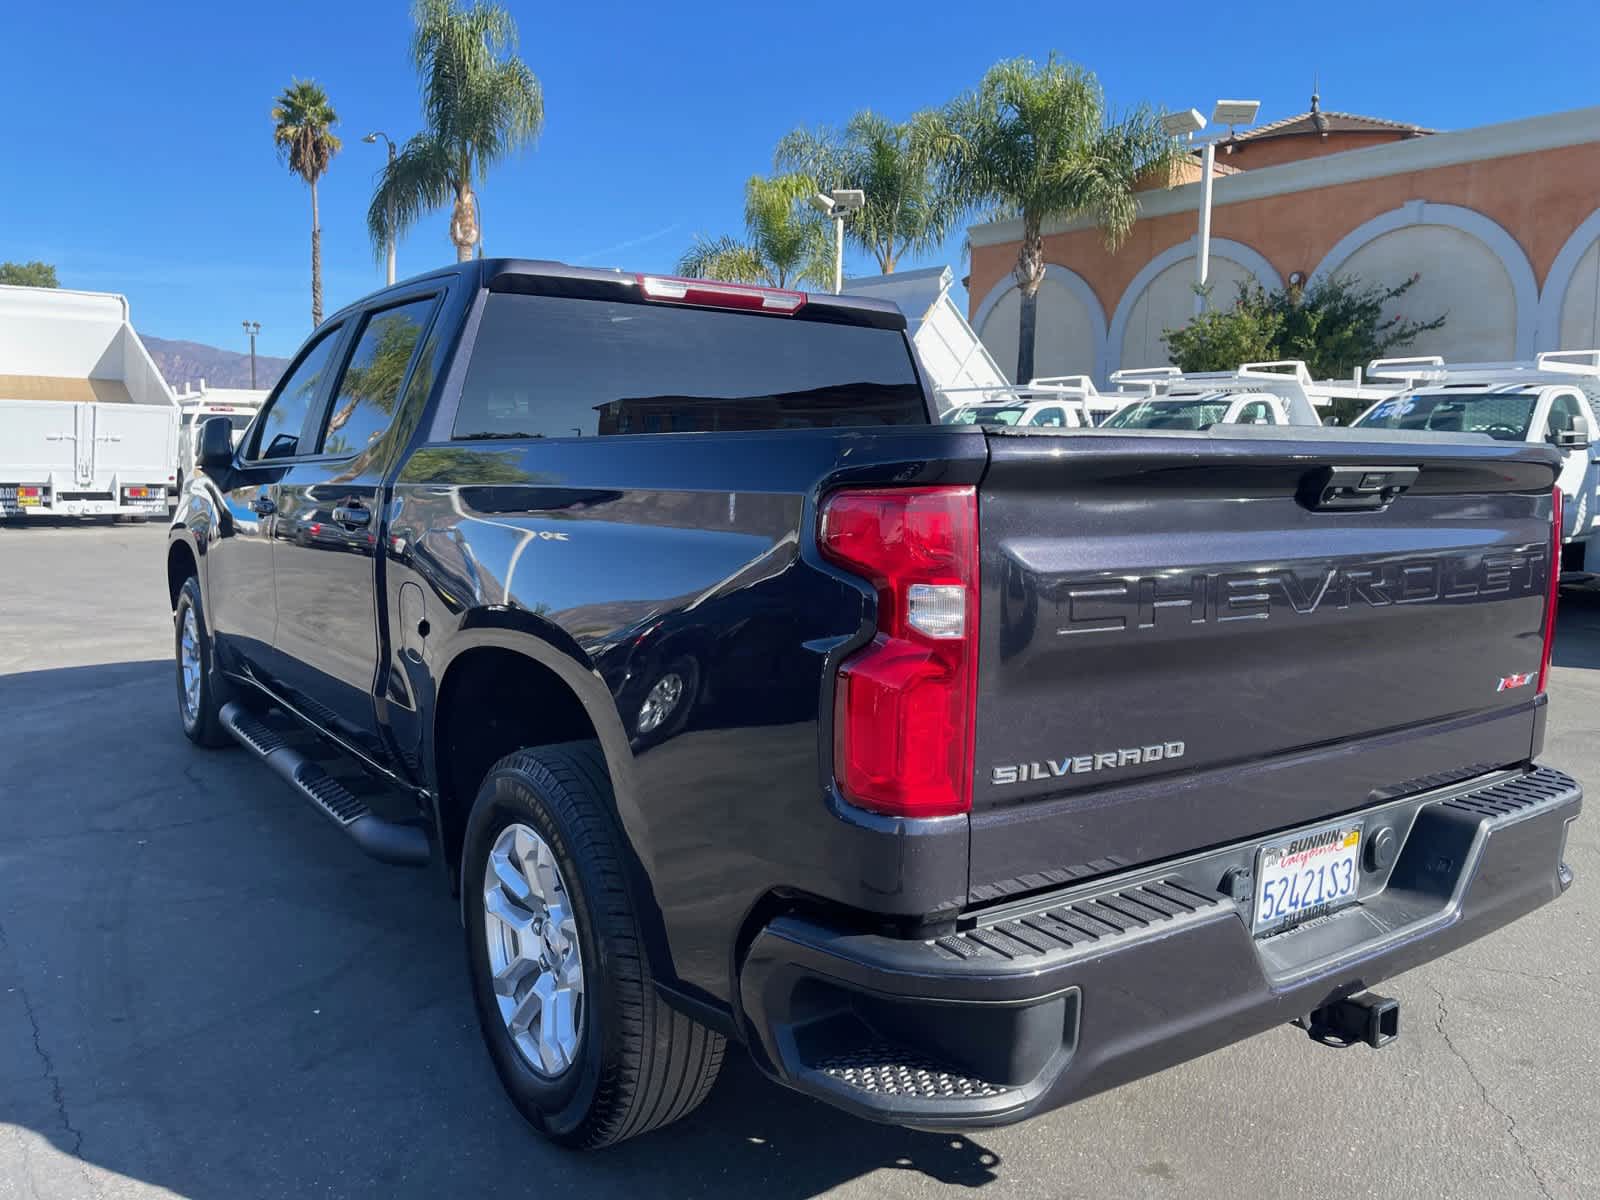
[(385, 840)]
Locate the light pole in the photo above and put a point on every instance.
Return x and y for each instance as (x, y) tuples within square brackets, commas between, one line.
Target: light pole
[(371, 139), (838, 204), (252, 328), (1186, 125)]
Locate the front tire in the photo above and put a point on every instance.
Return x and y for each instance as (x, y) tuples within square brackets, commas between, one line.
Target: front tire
[(198, 702), (584, 1046)]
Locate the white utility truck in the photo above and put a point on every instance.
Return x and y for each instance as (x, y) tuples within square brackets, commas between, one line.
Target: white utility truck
[(88, 427), (239, 405), (1281, 392), (1551, 399)]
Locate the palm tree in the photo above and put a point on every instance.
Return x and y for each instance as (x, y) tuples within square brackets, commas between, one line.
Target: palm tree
[(907, 209), (480, 102), (1037, 142), (302, 130), (787, 242)]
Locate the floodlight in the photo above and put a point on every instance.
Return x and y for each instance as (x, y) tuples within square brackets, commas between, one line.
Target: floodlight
[(1182, 124), (822, 203), (1235, 112)]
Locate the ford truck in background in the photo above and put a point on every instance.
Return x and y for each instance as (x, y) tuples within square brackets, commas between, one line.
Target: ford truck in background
[(958, 771), (88, 427)]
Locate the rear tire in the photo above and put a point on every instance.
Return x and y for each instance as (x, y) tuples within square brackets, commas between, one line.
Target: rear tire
[(198, 701), (637, 1064)]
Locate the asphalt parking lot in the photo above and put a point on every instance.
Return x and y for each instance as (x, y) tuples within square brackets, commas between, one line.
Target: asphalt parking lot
[(205, 992)]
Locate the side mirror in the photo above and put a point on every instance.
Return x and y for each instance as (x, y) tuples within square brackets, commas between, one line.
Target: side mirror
[(1576, 438), (214, 451)]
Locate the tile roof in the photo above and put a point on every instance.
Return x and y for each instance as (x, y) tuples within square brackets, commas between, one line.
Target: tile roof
[(1319, 121)]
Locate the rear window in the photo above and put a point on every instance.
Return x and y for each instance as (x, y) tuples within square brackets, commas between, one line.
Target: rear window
[(1169, 414), (546, 366), (1501, 415), (984, 415)]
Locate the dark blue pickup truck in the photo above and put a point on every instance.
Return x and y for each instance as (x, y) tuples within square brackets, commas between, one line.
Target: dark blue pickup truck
[(957, 772)]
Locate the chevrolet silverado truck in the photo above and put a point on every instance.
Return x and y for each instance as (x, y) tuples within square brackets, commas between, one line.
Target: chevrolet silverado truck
[(956, 771)]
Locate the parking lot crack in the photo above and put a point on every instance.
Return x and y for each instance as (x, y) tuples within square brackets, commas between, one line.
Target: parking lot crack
[(73, 1135), (1510, 1121), (46, 1062)]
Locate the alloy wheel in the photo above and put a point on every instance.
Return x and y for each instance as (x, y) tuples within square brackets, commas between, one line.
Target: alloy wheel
[(189, 664), (660, 701), (535, 963)]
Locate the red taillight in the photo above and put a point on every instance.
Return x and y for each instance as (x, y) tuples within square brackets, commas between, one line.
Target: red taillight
[(904, 706), (1555, 589), (711, 293)]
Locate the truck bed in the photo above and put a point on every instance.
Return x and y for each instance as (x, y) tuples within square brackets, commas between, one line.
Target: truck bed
[(67, 389)]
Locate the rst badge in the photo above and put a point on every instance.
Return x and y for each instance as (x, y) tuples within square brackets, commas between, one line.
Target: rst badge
[(1507, 682)]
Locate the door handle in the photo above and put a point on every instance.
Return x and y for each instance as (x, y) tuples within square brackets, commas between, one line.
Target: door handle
[(262, 506), (351, 514)]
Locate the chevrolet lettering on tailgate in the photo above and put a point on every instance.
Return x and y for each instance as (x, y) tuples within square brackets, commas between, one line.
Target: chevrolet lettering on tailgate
[(1106, 605)]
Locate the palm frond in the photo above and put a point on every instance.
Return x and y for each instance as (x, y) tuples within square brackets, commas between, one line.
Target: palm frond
[(724, 258), (908, 208), (420, 179), (302, 129), (481, 103), (1039, 141), (791, 235)]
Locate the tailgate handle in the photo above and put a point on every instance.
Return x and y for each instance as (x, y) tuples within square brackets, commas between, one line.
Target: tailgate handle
[(1364, 489)]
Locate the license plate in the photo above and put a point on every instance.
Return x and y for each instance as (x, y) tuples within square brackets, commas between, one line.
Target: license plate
[(1306, 875)]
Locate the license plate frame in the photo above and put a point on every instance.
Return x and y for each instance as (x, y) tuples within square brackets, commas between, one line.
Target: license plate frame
[(1306, 875)]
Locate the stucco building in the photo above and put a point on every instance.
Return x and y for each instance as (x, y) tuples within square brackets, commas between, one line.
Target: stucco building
[(1501, 223)]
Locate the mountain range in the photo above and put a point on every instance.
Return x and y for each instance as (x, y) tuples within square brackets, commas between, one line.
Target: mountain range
[(184, 364)]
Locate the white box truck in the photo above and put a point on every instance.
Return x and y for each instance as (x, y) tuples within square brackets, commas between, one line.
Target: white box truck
[(88, 427)]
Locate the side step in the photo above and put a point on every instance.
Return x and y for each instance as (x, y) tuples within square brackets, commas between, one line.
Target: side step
[(385, 840)]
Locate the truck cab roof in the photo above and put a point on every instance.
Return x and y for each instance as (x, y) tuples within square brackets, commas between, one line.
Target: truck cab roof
[(554, 278)]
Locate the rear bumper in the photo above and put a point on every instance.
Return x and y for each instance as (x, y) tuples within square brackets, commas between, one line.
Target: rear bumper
[(1045, 1002)]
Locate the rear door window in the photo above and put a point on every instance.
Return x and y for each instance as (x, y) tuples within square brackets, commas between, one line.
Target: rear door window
[(557, 367)]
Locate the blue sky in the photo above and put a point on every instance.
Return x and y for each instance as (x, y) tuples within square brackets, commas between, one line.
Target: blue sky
[(139, 157)]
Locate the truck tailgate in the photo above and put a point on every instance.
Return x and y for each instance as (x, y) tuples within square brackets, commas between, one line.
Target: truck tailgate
[(1182, 648), (36, 438)]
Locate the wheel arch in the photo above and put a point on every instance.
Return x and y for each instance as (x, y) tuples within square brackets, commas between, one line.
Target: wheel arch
[(521, 654), (182, 562)]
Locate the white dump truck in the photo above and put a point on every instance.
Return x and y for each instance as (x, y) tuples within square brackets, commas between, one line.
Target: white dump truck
[(968, 383), (88, 427)]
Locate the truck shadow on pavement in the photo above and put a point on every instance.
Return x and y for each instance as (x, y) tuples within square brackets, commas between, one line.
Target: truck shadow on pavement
[(205, 989)]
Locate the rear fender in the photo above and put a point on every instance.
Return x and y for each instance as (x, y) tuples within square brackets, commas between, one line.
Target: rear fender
[(546, 644)]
